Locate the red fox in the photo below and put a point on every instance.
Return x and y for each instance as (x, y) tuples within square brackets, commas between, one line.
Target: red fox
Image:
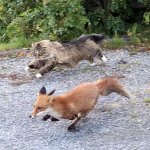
[(77, 103)]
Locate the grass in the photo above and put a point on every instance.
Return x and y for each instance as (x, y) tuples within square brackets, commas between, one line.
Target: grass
[(147, 100), (133, 42), (114, 43), (17, 44), (133, 39), (10, 46)]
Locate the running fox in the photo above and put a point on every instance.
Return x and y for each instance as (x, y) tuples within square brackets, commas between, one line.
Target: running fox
[(77, 103)]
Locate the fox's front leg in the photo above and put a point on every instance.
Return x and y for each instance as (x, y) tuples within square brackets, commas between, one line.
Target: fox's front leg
[(46, 117), (48, 67)]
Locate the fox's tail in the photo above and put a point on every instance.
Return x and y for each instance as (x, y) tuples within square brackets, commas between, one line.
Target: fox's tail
[(108, 85)]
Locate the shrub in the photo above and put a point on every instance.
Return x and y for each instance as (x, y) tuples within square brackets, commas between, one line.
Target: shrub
[(67, 19)]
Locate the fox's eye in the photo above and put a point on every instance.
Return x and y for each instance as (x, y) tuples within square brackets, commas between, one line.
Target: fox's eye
[(39, 108)]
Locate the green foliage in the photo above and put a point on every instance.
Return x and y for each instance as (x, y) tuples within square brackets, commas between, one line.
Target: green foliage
[(114, 43), (115, 15), (147, 100), (147, 18), (54, 19), (114, 25), (67, 19), (63, 19), (15, 44)]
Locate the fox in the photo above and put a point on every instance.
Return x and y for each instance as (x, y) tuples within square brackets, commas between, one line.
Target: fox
[(76, 103)]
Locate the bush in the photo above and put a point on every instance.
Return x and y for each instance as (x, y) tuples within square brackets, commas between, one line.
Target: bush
[(54, 19), (67, 19)]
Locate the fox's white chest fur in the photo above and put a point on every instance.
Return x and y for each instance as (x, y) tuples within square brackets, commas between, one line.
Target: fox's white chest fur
[(49, 111)]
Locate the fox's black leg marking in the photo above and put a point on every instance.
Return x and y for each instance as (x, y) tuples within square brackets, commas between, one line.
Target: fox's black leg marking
[(73, 117), (76, 120), (46, 117), (54, 119)]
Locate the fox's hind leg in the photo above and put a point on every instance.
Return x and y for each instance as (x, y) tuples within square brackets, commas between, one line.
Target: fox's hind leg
[(75, 121)]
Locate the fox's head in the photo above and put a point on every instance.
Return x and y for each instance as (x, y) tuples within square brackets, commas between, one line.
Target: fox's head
[(42, 106)]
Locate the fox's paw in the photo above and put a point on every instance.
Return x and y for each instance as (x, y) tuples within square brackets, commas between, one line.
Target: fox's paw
[(46, 117), (38, 75), (72, 128), (54, 119)]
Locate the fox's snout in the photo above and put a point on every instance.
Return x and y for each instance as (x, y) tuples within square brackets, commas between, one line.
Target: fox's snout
[(32, 116)]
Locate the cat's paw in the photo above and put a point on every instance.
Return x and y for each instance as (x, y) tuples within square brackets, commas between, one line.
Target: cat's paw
[(26, 68), (104, 59), (93, 64), (38, 75)]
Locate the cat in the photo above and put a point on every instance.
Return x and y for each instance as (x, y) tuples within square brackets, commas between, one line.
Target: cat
[(48, 54)]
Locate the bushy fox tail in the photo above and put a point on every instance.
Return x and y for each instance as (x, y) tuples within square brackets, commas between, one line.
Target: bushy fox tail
[(108, 85)]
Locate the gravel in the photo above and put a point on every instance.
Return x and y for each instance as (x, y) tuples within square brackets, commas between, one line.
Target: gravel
[(116, 123)]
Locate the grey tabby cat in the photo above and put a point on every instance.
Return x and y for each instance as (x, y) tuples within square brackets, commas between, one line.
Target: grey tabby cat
[(48, 55)]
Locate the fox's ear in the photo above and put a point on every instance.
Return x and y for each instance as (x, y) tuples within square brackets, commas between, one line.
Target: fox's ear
[(43, 90), (52, 92)]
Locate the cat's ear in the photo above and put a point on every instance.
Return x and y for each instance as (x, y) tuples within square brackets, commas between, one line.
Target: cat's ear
[(33, 44), (39, 45), (43, 90), (52, 92)]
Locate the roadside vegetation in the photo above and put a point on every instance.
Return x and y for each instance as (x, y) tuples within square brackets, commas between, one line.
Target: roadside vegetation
[(23, 22)]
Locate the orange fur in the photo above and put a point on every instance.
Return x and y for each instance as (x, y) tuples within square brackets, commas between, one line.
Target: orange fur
[(79, 101)]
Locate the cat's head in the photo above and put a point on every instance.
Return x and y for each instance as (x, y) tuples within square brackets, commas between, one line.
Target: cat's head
[(38, 49)]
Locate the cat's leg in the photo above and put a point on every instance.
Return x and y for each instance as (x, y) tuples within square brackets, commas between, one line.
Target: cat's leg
[(35, 64), (48, 67), (92, 63), (101, 56)]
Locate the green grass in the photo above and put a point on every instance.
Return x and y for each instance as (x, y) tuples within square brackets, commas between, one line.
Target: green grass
[(10, 46), (118, 43), (15, 44), (147, 100), (114, 43), (137, 40)]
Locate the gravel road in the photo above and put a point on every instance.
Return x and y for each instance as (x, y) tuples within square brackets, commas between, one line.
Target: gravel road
[(116, 123)]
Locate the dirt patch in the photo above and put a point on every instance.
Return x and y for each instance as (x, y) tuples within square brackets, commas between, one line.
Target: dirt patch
[(15, 53)]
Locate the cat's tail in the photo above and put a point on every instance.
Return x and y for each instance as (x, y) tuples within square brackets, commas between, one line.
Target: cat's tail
[(94, 37), (97, 38)]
